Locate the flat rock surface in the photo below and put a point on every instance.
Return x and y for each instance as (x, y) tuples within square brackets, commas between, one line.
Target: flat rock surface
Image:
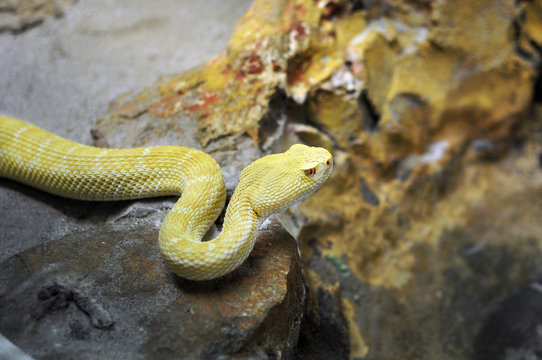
[(108, 295)]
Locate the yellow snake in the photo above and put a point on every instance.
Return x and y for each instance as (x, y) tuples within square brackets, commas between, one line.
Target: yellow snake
[(270, 184)]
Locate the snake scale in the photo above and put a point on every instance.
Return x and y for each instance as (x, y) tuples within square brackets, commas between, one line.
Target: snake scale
[(33, 156)]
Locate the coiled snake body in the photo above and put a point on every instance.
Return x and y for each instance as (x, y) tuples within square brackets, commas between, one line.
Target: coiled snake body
[(51, 163)]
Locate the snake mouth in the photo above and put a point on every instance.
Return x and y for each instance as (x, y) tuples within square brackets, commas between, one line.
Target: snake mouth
[(325, 168)]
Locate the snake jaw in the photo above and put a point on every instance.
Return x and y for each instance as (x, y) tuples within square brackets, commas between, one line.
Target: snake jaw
[(282, 180)]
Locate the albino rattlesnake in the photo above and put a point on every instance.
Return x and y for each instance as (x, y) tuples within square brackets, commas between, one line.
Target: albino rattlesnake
[(46, 161)]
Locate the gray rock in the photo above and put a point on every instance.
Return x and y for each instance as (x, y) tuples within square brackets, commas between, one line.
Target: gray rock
[(107, 294)]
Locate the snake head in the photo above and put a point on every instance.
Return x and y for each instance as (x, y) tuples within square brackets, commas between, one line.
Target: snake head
[(275, 182)]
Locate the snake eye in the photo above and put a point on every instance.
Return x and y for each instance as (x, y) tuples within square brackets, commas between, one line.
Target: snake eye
[(328, 162), (310, 172)]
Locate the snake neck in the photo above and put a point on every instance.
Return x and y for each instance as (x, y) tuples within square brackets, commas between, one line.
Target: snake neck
[(241, 225), (180, 241)]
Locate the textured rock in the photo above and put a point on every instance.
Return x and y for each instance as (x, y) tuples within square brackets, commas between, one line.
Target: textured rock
[(235, 94), (427, 99), (108, 295), (324, 332), (17, 16), (512, 331)]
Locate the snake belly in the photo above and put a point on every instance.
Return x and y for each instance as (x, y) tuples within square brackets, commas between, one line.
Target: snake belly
[(33, 156)]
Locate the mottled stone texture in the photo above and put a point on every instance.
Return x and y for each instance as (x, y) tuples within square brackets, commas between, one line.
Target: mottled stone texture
[(427, 237), (108, 295), (20, 15)]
